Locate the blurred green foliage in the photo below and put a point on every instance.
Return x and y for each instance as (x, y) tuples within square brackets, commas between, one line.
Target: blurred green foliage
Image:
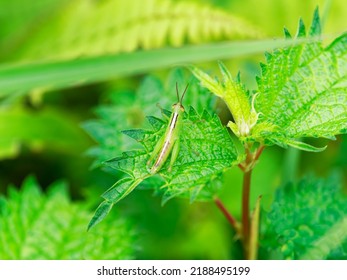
[(49, 48), (34, 225), (38, 130), (93, 28), (306, 221)]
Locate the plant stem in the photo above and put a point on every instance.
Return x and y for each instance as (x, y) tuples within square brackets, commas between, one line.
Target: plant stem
[(245, 208), (226, 213), (247, 168), (259, 152)]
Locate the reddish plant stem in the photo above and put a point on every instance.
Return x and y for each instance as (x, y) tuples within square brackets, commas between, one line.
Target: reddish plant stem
[(247, 168), (259, 152), (245, 208), (241, 167), (226, 213)]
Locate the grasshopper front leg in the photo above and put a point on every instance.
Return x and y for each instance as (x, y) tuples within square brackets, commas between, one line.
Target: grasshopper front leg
[(162, 112)]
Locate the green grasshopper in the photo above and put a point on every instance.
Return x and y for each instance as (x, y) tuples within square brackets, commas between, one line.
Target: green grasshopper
[(169, 142)]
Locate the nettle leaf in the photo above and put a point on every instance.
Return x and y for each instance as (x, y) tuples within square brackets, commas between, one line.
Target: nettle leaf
[(206, 151), (302, 91), (235, 96), (307, 220), (34, 225), (129, 108)]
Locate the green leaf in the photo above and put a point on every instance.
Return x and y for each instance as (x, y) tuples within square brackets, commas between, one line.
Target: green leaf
[(302, 92), (20, 79), (61, 133), (34, 225), (206, 151), (121, 189), (332, 239), (18, 17), (307, 220), (107, 130), (298, 145), (114, 194), (89, 28), (235, 96), (206, 81), (100, 213)]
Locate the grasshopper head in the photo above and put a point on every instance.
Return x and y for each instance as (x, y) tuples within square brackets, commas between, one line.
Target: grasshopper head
[(178, 107)]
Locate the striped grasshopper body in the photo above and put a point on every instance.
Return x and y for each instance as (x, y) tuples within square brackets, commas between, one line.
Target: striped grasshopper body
[(169, 142)]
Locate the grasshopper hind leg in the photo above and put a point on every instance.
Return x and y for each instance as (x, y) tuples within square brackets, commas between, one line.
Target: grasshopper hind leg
[(174, 154), (155, 152)]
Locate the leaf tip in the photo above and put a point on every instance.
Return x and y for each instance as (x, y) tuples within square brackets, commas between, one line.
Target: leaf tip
[(224, 70), (287, 34), (263, 68), (100, 213), (155, 122), (268, 56), (136, 134), (316, 28), (192, 112), (238, 77), (304, 146), (301, 29)]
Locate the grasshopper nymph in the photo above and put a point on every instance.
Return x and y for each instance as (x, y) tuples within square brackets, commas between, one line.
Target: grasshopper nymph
[(169, 142)]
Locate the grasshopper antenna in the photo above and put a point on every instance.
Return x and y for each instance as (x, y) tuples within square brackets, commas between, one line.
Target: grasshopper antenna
[(178, 97), (184, 92)]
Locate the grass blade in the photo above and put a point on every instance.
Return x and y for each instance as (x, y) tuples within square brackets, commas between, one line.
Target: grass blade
[(55, 75)]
